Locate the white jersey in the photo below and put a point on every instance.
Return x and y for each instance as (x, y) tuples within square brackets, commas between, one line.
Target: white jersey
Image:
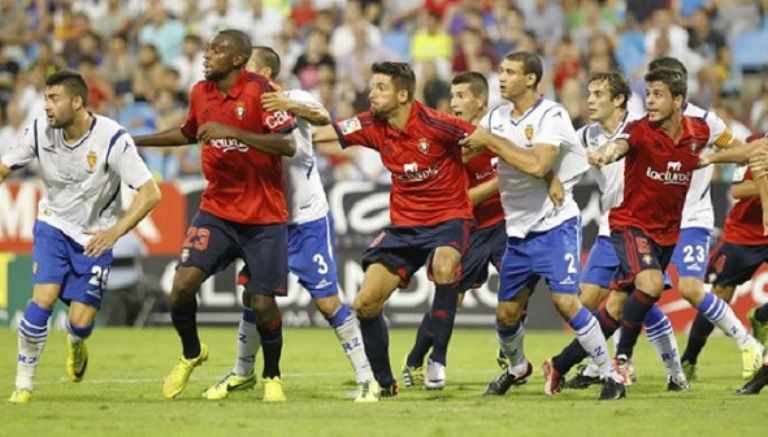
[(610, 178), (82, 180), (698, 211), (525, 199), (303, 188)]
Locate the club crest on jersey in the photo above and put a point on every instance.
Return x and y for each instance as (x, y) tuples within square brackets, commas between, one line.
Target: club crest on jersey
[(90, 159), (529, 131), (240, 110), (423, 145), (647, 259), (184, 255)]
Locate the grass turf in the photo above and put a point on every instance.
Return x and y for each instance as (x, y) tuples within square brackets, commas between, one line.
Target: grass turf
[(121, 392)]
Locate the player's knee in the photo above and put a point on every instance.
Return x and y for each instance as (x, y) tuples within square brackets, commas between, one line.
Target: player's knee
[(567, 304), (650, 284), (508, 315), (185, 285), (724, 292), (45, 301), (328, 305), (444, 272), (615, 305), (263, 306), (691, 289), (366, 307)]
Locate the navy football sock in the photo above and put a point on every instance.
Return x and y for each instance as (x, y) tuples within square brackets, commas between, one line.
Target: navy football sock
[(443, 315), (423, 342), (700, 330), (376, 341), (272, 346), (635, 311), (184, 318)]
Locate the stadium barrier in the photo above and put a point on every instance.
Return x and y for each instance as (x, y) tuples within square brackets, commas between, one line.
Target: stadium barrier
[(360, 211)]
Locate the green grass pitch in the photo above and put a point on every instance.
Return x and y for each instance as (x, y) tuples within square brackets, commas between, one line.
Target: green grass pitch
[(121, 393)]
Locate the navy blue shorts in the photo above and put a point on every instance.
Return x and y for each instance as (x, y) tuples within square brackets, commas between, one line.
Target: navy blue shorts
[(637, 252), (734, 264), (486, 246), (405, 249), (213, 243), (58, 259)]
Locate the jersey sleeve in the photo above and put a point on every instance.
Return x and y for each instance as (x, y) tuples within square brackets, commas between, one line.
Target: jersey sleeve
[(275, 121), (131, 168), (357, 130), (25, 150), (555, 128), (719, 134), (190, 125)]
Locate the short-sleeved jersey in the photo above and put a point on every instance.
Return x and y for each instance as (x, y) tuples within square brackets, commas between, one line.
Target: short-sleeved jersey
[(303, 187), (657, 175), (609, 178), (245, 185), (429, 184), (744, 224), (698, 211), (482, 168), (525, 199), (82, 179)]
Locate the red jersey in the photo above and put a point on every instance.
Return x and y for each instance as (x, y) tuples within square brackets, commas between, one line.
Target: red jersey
[(657, 174), (245, 185), (482, 168), (429, 184), (744, 224)]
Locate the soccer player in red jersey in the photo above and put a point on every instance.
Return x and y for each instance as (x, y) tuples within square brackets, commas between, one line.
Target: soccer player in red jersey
[(742, 250), (487, 241), (429, 206), (662, 149), (243, 213)]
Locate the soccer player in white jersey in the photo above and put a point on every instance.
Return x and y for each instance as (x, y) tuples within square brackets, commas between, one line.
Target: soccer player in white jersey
[(83, 159), (607, 105), (310, 242), (533, 135), (691, 252)]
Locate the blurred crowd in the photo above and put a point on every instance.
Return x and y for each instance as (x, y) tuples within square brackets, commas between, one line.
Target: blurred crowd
[(141, 57)]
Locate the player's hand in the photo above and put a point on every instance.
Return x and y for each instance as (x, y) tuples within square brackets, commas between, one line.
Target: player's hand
[(556, 191), (596, 158), (101, 241), (275, 101), (477, 141), (212, 130), (703, 161)]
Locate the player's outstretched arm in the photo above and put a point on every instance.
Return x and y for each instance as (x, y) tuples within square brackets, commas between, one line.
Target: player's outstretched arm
[(744, 189), (608, 153), (324, 134), (313, 113), (283, 144), (146, 199), (484, 191), (536, 161), (168, 138)]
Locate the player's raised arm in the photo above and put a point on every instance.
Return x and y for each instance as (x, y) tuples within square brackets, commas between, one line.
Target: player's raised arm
[(536, 161), (168, 138), (315, 114), (608, 153)]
